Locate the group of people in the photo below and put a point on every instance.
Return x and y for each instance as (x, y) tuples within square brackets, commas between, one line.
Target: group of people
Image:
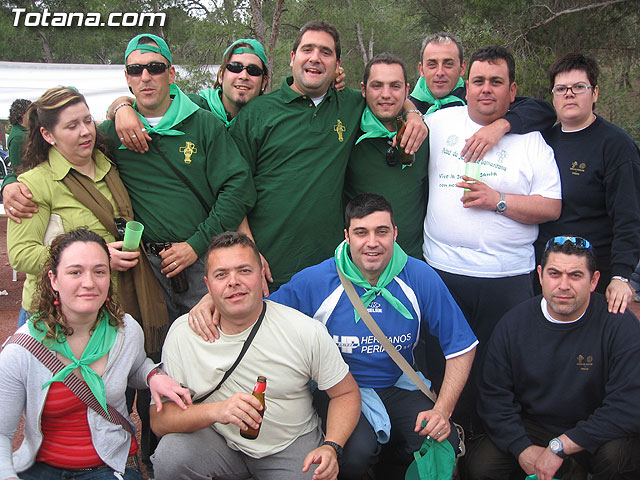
[(243, 197)]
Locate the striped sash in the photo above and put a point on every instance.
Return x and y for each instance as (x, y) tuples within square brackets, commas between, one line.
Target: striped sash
[(77, 386)]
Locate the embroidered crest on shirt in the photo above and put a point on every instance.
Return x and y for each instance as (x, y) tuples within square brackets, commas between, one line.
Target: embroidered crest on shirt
[(577, 169), (452, 140), (188, 150), (584, 362), (339, 128)]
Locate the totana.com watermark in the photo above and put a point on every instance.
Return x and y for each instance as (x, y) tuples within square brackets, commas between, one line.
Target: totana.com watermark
[(89, 19)]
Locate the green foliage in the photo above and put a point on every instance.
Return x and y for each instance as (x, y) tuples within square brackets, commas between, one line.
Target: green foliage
[(200, 30)]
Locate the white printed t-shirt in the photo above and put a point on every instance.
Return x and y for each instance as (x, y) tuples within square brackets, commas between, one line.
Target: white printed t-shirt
[(473, 241), (289, 349)]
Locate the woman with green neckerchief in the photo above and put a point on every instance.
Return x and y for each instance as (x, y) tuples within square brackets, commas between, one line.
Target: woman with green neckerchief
[(81, 324)]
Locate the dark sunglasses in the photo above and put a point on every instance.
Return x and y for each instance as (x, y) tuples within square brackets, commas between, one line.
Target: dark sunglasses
[(154, 68), (579, 242), (237, 67)]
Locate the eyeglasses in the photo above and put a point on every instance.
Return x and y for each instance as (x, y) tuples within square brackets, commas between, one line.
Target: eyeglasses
[(579, 242), (577, 89), (237, 67), (154, 68)]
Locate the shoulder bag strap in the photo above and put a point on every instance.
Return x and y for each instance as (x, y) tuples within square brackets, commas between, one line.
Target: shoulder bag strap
[(181, 176), (244, 349), (382, 338), (77, 386)]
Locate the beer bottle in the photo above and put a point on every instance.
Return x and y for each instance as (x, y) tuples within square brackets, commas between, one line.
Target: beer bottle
[(405, 158), (258, 392)]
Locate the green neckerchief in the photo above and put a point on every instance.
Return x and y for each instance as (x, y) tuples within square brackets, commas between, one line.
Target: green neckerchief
[(421, 92), (181, 107), (212, 96), (395, 266), (100, 342), (373, 127)]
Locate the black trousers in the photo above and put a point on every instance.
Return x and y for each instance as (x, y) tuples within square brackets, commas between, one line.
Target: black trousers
[(483, 302), (615, 460)]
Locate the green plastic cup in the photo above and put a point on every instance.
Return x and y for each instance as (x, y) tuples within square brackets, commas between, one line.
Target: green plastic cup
[(132, 235), (471, 169)]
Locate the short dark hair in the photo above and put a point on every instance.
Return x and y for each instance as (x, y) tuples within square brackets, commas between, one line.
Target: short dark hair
[(387, 59), (366, 204), (227, 240), (574, 61), (17, 110), (441, 38), (570, 248), (490, 54), (319, 26)]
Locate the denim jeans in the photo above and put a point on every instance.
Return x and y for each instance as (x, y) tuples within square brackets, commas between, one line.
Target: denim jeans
[(23, 317), (42, 471)]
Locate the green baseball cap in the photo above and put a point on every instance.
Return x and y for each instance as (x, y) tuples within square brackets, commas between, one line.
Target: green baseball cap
[(254, 47), (162, 48)]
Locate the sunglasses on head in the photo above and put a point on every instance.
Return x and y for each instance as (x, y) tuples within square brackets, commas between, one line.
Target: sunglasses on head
[(154, 68), (579, 242), (237, 67)]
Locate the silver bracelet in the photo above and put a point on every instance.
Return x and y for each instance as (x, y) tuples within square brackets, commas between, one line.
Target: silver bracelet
[(119, 106), (414, 111)]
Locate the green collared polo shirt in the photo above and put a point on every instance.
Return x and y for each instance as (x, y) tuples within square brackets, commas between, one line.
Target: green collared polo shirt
[(405, 189), (298, 154), (207, 156)]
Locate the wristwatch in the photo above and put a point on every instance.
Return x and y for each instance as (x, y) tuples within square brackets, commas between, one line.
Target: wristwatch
[(336, 447), (621, 278), (501, 206), (555, 445)]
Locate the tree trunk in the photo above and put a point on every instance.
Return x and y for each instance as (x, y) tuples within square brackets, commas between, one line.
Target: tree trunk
[(48, 56)]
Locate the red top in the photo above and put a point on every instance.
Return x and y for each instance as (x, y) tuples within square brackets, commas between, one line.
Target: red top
[(66, 441)]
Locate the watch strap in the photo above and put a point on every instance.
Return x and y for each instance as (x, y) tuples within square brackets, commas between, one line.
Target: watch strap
[(335, 446), (621, 278), (559, 450)]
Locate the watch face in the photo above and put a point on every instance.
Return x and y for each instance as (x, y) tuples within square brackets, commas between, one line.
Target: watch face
[(554, 445), (502, 206)]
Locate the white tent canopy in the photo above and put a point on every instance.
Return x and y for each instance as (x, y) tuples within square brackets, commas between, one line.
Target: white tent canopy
[(100, 84)]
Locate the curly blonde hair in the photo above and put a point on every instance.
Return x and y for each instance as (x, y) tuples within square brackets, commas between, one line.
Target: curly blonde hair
[(44, 297)]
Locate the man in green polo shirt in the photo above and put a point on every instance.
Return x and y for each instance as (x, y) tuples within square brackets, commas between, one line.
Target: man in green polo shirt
[(241, 77), (297, 141), (190, 186), (377, 167)]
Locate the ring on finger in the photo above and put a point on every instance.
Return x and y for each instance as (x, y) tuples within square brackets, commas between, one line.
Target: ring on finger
[(11, 209), (175, 264), (143, 129), (134, 136), (121, 139)]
